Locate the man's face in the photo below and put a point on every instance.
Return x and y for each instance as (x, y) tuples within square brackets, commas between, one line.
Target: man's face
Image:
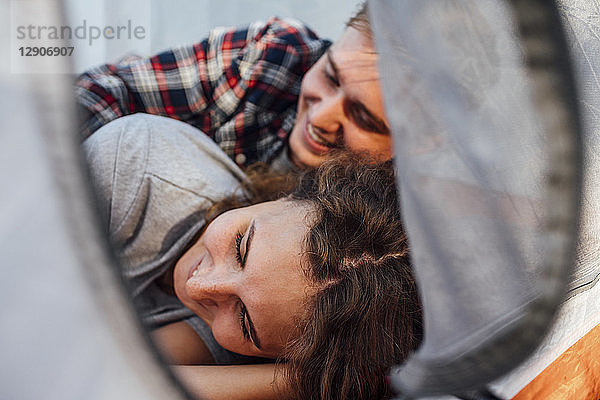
[(341, 105)]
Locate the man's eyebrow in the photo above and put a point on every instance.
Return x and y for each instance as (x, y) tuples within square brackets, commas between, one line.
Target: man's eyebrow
[(251, 329), (333, 65), (356, 110)]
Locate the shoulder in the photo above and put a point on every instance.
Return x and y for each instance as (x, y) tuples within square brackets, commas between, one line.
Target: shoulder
[(140, 144), (116, 162), (143, 159), (275, 32), (291, 32), (284, 27)]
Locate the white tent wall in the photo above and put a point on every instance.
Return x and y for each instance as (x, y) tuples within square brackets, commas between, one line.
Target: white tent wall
[(169, 24), (82, 342), (67, 331), (581, 311), (412, 39), (60, 338)]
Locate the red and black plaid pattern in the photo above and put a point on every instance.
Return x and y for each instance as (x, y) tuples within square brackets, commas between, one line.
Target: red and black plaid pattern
[(238, 86)]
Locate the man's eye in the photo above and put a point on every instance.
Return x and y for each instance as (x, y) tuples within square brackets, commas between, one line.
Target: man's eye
[(332, 79), (238, 248)]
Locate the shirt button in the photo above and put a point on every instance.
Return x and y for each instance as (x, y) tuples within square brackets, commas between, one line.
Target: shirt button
[(240, 159)]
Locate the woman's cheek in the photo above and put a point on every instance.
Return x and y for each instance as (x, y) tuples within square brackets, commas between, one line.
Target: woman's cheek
[(226, 335)]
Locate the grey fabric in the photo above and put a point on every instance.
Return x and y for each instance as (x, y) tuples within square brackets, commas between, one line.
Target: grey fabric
[(582, 27), (155, 178), (581, 311), (486, 166)]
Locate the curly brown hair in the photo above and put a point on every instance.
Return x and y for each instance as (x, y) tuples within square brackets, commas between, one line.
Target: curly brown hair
[(366, 315)]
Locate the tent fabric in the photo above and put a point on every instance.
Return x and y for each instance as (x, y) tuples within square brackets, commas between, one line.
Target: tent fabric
[(473, 188), (575, 375), (561, 356), (582, 27), (68, 330), (578, 316), (478, 161)]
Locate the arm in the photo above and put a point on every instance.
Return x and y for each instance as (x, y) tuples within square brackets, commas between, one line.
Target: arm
[(174, 83), (181, 345), (206, 84), (232, 382)]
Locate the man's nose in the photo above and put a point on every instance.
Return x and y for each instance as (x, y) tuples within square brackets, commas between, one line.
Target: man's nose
[(327, 114)]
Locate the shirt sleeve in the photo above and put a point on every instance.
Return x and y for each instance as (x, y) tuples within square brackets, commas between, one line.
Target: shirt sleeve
[(207, 83)]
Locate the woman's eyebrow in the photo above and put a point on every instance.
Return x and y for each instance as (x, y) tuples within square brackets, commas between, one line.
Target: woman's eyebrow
[(251, 328), (248, 242)]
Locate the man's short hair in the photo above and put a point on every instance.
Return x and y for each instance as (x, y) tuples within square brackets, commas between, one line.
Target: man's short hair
[(360, 20)]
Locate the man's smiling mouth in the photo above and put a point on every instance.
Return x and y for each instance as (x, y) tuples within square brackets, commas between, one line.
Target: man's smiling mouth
[(316, 137)]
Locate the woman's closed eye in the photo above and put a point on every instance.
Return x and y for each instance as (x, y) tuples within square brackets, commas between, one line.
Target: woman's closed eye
[(238, 248), (247, 327), (242, 318), (241, 248)]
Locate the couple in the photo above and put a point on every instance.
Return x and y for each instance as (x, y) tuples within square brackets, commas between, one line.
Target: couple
[(312, 273)]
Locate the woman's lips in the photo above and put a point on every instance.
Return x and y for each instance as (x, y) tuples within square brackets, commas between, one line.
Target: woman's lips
[(315, 143), (207, 303)]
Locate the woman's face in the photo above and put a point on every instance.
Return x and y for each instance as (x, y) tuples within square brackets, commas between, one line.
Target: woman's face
[(244, 276)]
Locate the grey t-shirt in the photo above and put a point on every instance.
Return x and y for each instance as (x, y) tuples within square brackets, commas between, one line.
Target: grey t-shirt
[(155, 178)]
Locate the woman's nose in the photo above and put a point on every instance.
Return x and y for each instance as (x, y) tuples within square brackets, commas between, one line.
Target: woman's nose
[(214, 280)]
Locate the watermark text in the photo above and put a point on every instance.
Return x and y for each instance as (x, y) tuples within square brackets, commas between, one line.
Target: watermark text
[(90, 33)]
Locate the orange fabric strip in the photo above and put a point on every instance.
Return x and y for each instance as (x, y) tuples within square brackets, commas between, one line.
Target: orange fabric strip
[(574, 375)]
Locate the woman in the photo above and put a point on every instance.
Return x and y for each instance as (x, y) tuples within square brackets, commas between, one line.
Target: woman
[(316, 277)]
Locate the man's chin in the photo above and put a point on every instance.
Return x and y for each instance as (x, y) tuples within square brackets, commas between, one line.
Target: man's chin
[(307, 162), (303, 158)]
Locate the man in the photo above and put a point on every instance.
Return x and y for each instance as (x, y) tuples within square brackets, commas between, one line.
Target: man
[(271, 92)]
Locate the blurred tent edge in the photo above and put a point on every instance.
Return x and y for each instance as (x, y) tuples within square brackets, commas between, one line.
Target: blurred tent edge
[(465, 365), (567, 364), (68, 331)]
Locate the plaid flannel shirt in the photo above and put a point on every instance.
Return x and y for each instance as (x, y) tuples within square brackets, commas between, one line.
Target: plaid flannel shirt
[(238, 86)]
